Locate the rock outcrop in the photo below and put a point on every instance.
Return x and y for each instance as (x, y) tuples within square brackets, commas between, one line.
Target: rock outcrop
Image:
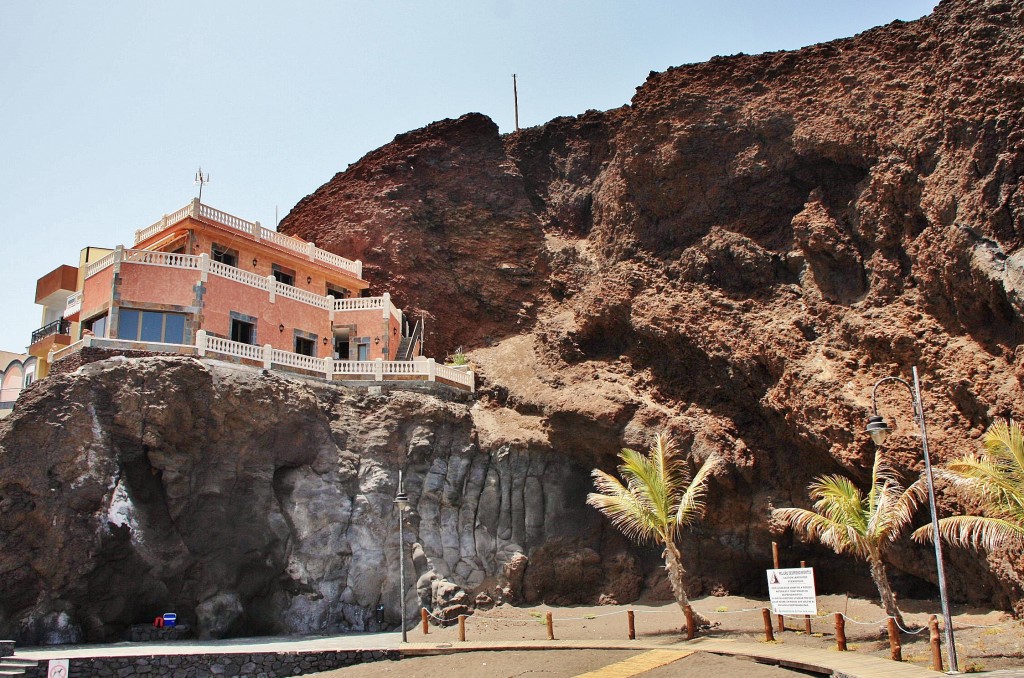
[(737, 255), (250, 503)]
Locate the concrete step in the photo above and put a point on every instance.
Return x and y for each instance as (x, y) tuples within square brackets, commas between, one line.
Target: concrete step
[(12, 672), (15, 663)]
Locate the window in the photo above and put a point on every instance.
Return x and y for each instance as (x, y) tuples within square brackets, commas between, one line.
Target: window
[(224, 255), (30, 376), (98, 326), (242, 331), (154, 326), (283, 275), (304, 346), (338, 292)]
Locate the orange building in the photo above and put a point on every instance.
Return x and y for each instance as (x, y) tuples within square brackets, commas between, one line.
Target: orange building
[(204, 281)]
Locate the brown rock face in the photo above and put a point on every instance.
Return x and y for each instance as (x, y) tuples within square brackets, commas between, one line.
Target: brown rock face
[(738, 255)]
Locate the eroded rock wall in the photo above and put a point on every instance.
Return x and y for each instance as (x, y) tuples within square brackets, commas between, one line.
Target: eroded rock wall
[(250, 503)]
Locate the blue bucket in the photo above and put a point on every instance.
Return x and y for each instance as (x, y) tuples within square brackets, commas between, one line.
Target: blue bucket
[(170, 619)]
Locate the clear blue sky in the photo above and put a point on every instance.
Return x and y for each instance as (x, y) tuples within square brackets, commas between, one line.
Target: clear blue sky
[(107, 108)]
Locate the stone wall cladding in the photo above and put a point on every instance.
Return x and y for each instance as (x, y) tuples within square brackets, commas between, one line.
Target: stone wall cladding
[(257, 665)]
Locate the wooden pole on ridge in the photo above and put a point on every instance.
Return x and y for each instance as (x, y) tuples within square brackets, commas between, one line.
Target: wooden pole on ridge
[(515, 99)]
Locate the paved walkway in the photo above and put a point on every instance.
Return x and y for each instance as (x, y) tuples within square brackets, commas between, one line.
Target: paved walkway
[(849, 664), (358, 641)]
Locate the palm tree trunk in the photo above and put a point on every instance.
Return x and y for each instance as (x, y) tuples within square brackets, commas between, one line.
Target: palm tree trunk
[(881, 580), (677, 579)]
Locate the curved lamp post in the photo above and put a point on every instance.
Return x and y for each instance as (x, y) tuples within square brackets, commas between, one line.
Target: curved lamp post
[(401, 500), (879, 431)]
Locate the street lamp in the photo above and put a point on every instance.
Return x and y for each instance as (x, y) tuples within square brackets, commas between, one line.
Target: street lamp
[(401, 500), (879, 431)]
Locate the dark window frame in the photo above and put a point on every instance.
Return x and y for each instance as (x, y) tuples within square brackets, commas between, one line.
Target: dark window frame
[(283, 275)]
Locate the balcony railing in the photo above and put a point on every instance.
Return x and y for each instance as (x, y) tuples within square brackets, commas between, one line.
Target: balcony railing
[(196, 210), (61, 326)]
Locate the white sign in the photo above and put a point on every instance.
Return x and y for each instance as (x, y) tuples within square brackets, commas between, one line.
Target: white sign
[(792, 591), (58, 668)]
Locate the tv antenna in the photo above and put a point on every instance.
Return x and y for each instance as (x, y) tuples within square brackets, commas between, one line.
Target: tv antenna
[(515, 99), (202, 180)]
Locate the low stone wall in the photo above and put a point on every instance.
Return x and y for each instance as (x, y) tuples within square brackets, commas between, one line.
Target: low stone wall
[(258, 665)]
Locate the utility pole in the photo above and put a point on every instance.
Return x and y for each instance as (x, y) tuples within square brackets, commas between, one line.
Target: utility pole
[(515, 99), (202, 180)]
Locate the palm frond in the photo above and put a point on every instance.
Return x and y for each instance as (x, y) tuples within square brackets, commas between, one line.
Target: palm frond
[(644, 480), (972, 531), (1004, 440), (627, 512), (839, 500), (838, 536), (692, 505), (901, 513)]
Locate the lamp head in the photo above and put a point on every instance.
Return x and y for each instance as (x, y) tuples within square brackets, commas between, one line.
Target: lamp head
[(878, 429), (402, 499)]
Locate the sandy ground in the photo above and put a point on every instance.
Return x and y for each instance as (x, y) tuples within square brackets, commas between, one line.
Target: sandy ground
[(985, 639), (555, 664)]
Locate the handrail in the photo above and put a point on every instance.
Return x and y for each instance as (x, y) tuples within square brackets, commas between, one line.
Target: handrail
[(417, 332)]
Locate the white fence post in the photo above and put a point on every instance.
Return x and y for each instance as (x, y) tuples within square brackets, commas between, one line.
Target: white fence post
[(201, 342), (387, 305), (272, 286), (329, 367), (431, 370), (204, 267), (268, 354), (378, 369), (87, 340), (257, 231), (118, 258), (330, 308), (311, 251), (194, 210)]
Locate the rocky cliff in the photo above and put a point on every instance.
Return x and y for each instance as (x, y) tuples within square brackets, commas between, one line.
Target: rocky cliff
[(737, 255), (251, 503)]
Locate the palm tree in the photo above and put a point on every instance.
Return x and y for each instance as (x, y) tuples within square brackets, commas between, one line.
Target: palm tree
[(996, 482), (847, 521), (657, 500)]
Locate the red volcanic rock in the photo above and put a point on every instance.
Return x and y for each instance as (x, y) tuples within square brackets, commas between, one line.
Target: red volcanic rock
[(738, 255)]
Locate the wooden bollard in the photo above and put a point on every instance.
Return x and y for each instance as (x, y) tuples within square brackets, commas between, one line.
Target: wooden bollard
[(425, 618), (840, 632), (551, 626), (933, 639), (894, 641), (632, 624), (691, 628), (462, 627), (768, 635)]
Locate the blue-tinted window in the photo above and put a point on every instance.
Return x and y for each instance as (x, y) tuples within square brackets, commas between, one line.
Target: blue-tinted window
[(174, 329), (152, 326), (127, 324)]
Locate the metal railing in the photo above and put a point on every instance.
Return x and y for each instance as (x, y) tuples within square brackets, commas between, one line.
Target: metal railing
[(61, 326)]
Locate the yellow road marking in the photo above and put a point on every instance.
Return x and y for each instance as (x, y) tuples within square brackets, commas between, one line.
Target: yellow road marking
[(639, 664)]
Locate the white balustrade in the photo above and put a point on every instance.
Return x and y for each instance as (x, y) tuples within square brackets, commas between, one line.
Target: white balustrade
[(359, 304), (256, 231), (233, 348), (355, 367), (238, 275), (165, 259), (457, 376), (296, 360), (311, 298), (100, 264)]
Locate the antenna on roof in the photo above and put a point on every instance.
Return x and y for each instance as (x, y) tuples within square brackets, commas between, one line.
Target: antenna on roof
[(202, 180), (515, 99)]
